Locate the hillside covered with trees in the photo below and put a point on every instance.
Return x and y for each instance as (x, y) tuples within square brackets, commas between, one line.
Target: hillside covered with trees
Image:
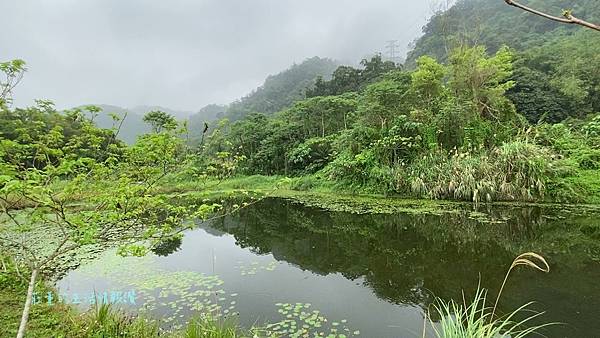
[(556, 73), (499, 111), (277, 92)]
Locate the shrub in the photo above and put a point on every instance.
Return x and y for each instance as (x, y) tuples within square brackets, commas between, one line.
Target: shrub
[(514, 171)]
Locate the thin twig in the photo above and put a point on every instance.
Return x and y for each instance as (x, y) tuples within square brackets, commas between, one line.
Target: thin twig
[(567, 18)]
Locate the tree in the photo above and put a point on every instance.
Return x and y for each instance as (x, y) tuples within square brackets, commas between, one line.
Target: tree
[(159, 120), (383, 101), (427, 81), (535, 96), (348, 79), (568, 16), (344, 79), (45, 169), (13, 71), (123, 207), (482, 80)]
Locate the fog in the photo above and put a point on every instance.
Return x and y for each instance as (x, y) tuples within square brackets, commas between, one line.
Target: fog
[(185, 54)]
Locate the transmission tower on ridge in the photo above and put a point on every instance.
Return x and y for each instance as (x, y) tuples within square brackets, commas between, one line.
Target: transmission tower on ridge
[(393, 53)]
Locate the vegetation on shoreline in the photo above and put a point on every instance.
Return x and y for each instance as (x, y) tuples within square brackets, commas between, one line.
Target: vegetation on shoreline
[(500, 120), (438, 132)]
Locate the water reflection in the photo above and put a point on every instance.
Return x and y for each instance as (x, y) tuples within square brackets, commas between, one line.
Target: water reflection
[(375, 274), (409, 259), (167, 247)]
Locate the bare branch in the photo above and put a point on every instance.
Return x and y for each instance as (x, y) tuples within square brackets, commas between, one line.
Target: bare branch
[(566, 18)]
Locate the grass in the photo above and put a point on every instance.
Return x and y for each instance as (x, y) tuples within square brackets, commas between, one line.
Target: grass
[(582, 187), (316, 191), (477, 320), (44, 320), (516, 171), (104, 322), (209, 327)]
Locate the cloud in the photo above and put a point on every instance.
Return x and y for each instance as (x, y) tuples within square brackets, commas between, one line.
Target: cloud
[(184, 54)]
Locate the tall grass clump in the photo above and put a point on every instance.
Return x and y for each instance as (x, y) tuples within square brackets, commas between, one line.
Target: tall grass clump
[(209, 327), (514, 171), (104, 321), (478, 320)]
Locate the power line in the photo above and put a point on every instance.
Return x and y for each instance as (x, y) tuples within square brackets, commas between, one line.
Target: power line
[(392, 49)]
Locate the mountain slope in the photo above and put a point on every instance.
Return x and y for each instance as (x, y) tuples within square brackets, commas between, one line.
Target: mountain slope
[(493, 23), (132, 126), (281, 90), (557, 66)]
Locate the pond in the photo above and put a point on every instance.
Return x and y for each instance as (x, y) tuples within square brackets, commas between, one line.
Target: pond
[(309, 270)]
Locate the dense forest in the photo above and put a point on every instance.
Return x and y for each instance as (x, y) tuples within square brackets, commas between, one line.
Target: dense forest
[(508, 114)]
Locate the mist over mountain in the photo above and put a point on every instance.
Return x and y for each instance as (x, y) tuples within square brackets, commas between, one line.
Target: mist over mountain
[(133, 124), (276, 93)]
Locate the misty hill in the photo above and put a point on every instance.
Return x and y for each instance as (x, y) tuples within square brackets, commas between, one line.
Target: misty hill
[(277, 92), (556, 65), (134, 125), (178, 114), (281, 90), (493, 23), (208, 113)]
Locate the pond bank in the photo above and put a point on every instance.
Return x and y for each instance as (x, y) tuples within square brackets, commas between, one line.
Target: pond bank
[(44, 320), (333, 198)]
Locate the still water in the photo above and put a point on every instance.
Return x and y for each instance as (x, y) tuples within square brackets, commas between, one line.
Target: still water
[(308, 270)]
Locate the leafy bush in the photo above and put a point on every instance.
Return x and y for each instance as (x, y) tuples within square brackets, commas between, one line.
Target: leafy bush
[(360, 172), (104, 321), (311, 156)]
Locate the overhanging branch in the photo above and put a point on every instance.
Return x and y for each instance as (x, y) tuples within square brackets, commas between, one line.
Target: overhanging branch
[(566, 18)]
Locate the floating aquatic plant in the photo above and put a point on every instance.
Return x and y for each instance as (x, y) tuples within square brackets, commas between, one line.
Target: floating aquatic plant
[(301, 321), (181, 293), (254, 267)]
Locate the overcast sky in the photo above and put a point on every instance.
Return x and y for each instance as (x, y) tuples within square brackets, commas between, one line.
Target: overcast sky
[(184, 54)]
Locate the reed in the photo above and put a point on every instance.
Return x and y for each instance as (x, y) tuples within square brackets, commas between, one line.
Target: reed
[(477, 320)]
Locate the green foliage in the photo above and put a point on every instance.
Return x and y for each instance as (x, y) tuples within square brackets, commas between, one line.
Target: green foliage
[(556, 76), (482, 81), (384, 100), (440, 131), (49, 159), (347, 79), (39, 136), (494, 24), (473, 320), (310, 156), (160, 121), (104, 321), (427, 82), (208, 327), (477, 320), (13, 71)]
